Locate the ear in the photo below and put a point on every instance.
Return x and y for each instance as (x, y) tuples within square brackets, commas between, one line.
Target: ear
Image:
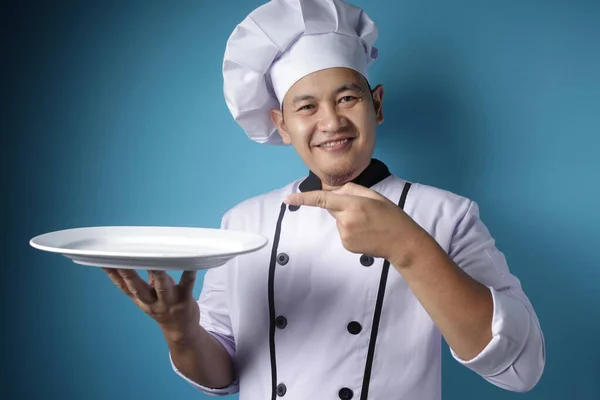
[(278, 121), (377, 95)]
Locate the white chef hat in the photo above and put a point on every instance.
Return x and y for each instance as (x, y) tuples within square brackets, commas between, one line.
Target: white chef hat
[(282, 41)]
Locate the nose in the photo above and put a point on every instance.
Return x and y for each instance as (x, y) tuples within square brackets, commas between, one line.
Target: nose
[(331, 121)]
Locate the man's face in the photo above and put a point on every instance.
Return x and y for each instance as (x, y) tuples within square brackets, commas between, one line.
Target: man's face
[(330, 117)]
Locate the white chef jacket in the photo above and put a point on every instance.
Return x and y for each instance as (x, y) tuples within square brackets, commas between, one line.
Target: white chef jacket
[(304, 319)]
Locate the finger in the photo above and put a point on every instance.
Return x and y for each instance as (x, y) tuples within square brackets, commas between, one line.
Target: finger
[(153, 279), (187, 280), (117, 280), (164, 286), (352, 189), (318, 198), (136, 285)]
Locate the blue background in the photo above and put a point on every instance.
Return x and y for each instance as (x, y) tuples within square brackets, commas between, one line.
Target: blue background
[(113, 114)]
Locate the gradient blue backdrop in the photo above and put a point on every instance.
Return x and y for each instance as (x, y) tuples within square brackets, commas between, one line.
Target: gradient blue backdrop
[(113, 114)]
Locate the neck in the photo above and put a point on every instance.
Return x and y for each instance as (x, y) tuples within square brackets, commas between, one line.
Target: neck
[(374, 173), (328, 188)]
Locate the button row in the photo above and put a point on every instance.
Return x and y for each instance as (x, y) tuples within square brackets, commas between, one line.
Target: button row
[(353, 327), (365, 260), (344, 393)]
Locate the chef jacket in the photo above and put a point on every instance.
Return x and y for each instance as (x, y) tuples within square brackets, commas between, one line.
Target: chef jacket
[(305, 319)]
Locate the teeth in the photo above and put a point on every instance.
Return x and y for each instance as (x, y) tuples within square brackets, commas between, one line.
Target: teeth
[(330, 144)]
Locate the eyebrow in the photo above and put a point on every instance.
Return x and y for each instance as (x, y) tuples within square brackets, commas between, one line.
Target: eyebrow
[(344, 88)]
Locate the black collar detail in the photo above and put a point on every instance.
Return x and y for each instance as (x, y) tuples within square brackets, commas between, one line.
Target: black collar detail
[(373, 174)]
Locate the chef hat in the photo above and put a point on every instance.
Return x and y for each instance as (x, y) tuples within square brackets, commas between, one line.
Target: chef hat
[(282, 41)]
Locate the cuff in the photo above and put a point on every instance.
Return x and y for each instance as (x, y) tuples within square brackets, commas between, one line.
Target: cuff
[(231, 389), (510, 329)]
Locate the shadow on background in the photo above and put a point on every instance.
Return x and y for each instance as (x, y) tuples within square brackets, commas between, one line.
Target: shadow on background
[(432, 130), (437, 132)]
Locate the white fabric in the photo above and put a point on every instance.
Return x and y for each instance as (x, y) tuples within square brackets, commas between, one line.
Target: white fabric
[(323, 287), (282, 41), (314, 53)]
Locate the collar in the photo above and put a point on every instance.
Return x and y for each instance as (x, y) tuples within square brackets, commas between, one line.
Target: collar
[(373, 174)]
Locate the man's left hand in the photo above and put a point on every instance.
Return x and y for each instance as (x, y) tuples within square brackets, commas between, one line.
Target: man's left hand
[(368, 222)]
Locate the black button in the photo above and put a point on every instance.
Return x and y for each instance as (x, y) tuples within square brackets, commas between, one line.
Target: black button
[(282, 259), (293, 208), (281, 322), (346, 394), (354, 328), (281, 390), (366, 260)]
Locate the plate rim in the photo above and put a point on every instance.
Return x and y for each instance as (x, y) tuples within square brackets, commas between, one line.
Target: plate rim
[(95, 253)]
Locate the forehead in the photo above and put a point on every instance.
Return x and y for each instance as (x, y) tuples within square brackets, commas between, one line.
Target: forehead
[(325, 82)]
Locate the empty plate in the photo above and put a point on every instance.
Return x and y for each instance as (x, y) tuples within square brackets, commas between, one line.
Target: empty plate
[(149, 247)]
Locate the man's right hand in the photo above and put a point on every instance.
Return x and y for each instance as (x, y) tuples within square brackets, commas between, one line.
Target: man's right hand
[(194, 351), (171, 305)]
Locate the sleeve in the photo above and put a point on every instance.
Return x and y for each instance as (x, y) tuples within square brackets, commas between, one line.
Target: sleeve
[(214, 318), (515, 357)]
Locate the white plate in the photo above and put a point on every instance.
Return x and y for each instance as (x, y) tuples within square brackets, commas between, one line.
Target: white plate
[(149, 247)]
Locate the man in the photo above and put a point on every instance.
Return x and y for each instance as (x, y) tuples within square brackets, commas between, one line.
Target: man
[(365, 271)]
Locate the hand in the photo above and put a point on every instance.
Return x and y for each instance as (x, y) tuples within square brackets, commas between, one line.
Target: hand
[(368, 222), (171, 305)]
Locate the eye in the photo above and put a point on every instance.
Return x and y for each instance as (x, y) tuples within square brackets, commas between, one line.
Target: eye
[(346, 99), (305, 107)]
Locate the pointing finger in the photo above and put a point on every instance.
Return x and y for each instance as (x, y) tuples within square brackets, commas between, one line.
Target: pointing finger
[(318, 198), (352, 189)]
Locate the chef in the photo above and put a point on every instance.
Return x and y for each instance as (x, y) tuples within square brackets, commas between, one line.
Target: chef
[(365, 272)]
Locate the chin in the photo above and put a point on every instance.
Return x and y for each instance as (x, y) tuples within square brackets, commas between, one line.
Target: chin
[(339, 172)]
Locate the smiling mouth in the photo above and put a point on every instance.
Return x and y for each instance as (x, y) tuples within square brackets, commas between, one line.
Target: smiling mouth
[(336, 143)]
